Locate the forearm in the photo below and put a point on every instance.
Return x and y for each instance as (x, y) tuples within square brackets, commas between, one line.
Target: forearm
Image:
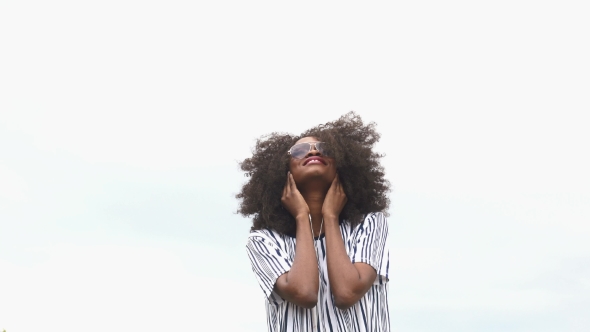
[(347, 283), (300, 284), (304, 271)]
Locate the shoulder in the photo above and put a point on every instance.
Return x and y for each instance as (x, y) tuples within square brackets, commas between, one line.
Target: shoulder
[(267, 237), (376, 218), (371, 220), (375, 223)]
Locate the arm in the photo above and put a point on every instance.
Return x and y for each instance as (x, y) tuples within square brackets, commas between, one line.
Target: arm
[(300, 284), (348, 282)]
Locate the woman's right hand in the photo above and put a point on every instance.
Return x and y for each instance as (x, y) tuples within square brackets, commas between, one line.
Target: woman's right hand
[(292, 199)]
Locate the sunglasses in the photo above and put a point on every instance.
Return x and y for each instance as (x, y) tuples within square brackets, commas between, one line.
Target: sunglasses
[(299, 151)]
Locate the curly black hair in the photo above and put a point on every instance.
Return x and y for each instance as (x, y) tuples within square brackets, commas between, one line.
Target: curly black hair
[(350, 142)]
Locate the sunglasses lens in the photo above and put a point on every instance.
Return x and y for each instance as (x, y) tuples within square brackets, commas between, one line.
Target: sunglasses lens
[(321, 147), (298, 151)]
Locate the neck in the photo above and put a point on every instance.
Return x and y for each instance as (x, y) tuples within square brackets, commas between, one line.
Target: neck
[(315, 200)]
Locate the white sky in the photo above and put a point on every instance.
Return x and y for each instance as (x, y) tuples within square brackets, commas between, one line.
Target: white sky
[(122, 122)]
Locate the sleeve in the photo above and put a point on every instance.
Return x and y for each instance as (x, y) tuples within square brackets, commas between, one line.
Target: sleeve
[(371, 244), (269, 261)]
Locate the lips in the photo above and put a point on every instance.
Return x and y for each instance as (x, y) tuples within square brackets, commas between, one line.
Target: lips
[(314, 160)]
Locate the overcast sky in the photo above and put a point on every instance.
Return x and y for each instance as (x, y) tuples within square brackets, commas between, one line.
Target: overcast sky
[(122, 124)]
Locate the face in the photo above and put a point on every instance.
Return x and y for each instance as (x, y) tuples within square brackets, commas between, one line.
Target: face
[(313, 168)]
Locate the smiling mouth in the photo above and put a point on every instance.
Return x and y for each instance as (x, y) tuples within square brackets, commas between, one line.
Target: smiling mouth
[(313, 161)]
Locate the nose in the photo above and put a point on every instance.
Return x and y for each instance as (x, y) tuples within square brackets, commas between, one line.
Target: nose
[(313, 151)]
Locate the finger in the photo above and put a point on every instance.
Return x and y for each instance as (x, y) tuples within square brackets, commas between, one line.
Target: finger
[(289, 183), (292, 182), (333, 184), (286, 184), (336, 183), (340, 187)]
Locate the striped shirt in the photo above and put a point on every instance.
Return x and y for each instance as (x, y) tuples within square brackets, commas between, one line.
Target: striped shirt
[(271, 255)]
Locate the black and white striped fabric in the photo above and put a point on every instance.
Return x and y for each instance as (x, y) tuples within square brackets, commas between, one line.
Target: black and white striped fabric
[(272, 254)]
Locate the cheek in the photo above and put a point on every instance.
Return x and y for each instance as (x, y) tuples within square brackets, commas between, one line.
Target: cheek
[(295, 169)]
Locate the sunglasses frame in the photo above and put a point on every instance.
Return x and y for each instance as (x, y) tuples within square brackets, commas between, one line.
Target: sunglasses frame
[(310, 144)]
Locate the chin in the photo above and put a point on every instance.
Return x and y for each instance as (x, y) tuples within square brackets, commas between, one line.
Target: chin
[(315, 177)]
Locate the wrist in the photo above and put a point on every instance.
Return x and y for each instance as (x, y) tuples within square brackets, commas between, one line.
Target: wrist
[(330, 218), (302, 218)]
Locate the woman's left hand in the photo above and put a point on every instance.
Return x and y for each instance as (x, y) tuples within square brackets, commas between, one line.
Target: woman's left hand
[(334, 201)]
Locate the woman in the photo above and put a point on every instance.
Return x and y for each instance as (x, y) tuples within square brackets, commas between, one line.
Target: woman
[(318, 244)]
